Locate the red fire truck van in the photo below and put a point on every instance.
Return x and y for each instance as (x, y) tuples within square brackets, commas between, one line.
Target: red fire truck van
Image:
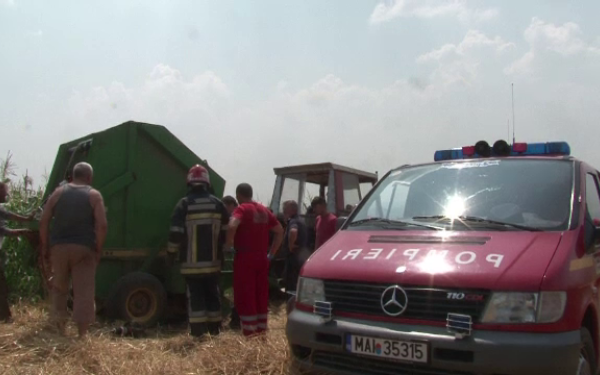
[(485, 261)]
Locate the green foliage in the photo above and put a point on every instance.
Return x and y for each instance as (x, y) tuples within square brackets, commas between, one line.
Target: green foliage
[(19, 258)]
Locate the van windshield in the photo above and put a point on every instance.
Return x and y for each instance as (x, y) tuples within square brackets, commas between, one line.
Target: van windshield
[(508, 194)]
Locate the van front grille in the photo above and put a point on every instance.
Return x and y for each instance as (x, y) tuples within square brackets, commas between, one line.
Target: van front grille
[(423, 303)]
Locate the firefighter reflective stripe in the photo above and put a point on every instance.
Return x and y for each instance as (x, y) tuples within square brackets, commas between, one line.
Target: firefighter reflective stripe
[(176, 229), (204, 206), (194, 221), (202, 200), (201, 264), (172, 247), (202, 218), (198, 316), (208, 215), (215, 240), (214, 316), (200, 268), (204, 305), (247, 318), (199, 271), (194, 244)]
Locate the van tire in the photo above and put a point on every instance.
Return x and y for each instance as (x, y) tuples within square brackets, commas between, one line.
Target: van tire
[(137, 297), (587, 353)]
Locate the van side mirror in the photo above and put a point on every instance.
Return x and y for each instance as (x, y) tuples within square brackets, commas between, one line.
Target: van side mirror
[(340, 221)]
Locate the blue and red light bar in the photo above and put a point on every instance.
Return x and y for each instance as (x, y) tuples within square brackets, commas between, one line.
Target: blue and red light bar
[(501, 148)]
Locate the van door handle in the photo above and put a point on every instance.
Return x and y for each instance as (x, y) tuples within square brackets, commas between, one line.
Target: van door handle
[(594, 290)]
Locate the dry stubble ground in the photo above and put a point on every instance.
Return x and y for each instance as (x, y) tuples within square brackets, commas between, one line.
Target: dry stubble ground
[(29, 346)]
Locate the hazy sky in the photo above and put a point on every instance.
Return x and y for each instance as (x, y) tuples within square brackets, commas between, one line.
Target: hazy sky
[(252, 85)]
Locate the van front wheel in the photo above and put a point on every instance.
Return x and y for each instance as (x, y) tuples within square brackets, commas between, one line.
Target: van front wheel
[(587, 356)]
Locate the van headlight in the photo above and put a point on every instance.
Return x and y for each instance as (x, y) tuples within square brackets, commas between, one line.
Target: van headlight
[(545, 307), (551, 306), (309, 291)]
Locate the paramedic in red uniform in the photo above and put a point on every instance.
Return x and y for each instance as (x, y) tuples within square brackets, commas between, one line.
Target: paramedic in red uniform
[(248, 238), (326, 221), (197, 237)]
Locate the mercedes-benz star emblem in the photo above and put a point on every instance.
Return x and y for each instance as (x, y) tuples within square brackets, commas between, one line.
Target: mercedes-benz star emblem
[(394, 300)]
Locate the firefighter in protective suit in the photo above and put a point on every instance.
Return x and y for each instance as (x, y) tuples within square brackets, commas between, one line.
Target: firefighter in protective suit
[(197, 235)]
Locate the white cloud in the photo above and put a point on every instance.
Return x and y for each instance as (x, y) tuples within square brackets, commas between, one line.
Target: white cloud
[(8, 3), (564, 40), (166, 96), (35, 34), (389, 10), (543, 37), (330, 119), (368, 128), (473, 39), (282, 85), (522, 65), (460, 63)]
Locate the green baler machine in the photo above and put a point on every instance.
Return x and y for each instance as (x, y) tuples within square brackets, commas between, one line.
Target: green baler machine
[(140, 169)]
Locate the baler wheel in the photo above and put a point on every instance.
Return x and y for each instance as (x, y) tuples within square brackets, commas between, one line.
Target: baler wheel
[(138, 298)]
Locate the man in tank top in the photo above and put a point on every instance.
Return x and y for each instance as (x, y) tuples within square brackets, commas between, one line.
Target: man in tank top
[(74, 245)]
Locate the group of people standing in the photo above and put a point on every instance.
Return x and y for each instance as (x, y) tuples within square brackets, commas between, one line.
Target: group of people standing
[(203, 228), (301, 238), (202, 231)]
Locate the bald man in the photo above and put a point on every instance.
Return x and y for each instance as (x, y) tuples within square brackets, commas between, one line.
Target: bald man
[(74, 246)]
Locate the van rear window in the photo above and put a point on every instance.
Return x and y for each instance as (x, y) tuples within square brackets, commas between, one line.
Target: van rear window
[(530, 193)]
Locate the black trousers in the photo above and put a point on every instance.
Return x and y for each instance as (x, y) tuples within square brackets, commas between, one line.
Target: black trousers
[(235, 319), (4, 306), (293, 264), (204, 305)]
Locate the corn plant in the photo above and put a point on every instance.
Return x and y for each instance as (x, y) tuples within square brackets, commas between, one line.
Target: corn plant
[(19, 258)]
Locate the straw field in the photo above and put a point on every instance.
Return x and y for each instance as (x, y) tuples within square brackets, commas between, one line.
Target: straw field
[(30, 346)]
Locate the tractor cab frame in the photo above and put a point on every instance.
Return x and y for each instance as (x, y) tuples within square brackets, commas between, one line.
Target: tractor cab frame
[(341, 186)]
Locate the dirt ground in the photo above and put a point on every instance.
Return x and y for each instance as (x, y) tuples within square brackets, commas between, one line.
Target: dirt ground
[(30, 346)]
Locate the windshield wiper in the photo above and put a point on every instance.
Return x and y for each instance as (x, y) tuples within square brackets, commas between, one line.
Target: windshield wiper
[(475, 219), (393, 223)]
